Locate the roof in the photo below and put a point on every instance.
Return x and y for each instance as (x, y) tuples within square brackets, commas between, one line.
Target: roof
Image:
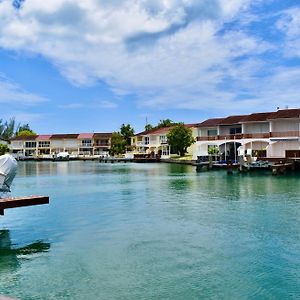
[(232, 120), (163, 130), (24, 138), (98, 135), (285, 114), (257, 117), (64, 136), (211, 122), (85, 136), (43, 137)]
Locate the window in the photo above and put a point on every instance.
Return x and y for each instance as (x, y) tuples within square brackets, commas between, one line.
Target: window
[(30, 144), (86, 143), (44, 144), (163, 139), (212, 132), (235, 130), (147, 139), (165, 151)]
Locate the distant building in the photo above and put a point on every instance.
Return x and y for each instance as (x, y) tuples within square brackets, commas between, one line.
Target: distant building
[(83, 144)]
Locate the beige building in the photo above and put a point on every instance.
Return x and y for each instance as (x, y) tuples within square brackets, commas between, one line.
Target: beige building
[(155, 142), (76, 145)]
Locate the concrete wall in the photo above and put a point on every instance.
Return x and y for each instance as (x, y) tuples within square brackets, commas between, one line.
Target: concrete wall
[(277, 149), (285, 125), (256, 128)]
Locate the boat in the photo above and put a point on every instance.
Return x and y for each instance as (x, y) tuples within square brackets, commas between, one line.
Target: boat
[(62, 156), (8, 171)]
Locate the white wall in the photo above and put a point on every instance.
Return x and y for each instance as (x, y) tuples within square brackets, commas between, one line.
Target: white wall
[(256, 127), (278, 148), (16, 145), (285, 125), (71, 143), (57, 143)]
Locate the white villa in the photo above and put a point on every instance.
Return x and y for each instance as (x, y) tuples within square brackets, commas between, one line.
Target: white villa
[(44, 146), (154, 142), (269, 134)]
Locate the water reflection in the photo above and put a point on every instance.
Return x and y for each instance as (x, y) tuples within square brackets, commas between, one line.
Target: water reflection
[(11, 257)]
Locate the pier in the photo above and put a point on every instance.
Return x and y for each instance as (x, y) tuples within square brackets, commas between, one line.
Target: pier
[(6, 203)]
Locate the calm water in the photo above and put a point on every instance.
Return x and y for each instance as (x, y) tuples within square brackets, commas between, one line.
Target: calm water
[(151, 231)]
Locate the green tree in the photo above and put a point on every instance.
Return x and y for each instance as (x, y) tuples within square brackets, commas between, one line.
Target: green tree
[(213, 150), (25, 130), (3, 149), (165, 123), (9, 129), (180, 138), (118, 144), (148, 127), (127, 132)]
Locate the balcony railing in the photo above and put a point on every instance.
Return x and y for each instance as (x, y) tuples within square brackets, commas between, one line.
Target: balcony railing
[(250, 136), (285, 134), (101, 144)]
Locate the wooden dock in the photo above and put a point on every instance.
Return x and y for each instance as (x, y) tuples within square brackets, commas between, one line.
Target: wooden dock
[(6, 203)]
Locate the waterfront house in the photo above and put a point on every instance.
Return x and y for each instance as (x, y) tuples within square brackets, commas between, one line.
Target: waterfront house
[(267, 134), (154, 142), (101, 143), (64, 143)]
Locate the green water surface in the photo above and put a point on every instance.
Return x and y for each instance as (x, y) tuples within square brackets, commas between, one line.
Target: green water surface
[(151, 231)]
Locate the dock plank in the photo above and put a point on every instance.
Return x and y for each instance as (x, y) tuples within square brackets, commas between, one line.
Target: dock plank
[(6, 203)]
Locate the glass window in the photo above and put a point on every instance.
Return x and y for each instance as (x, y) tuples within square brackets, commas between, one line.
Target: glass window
[(162, 139), (235, 130), (212, 132), (44, 144), (30, 144), (87, 143)]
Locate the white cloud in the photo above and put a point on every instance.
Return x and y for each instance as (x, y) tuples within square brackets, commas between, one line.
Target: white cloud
[(91, 104), (12, 94), (289, 24), (175, 53)]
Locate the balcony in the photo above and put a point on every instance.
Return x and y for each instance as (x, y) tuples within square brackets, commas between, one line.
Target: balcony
[(86, 145), (285, 134)]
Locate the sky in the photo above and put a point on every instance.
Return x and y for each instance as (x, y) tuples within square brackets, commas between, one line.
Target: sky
[(89, 66)]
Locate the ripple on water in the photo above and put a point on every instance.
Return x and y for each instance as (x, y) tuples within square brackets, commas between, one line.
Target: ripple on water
[(151, 231)]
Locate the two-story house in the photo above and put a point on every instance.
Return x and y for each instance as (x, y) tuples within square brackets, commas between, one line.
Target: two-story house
[(155, 141), (268, 134)]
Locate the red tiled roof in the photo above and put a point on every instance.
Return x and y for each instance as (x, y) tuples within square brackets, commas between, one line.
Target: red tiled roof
[(231, 120), (257, 117), (64, 136), (163, 129), (44, 137), (211, 122), (85, 136), (285, 114)]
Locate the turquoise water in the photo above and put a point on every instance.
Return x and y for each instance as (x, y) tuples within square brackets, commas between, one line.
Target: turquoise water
[(151, 231)]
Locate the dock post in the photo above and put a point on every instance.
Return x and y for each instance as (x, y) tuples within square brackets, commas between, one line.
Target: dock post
[(229, 167)]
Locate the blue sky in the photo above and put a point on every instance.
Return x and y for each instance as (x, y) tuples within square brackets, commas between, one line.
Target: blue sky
[(82, 66)]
